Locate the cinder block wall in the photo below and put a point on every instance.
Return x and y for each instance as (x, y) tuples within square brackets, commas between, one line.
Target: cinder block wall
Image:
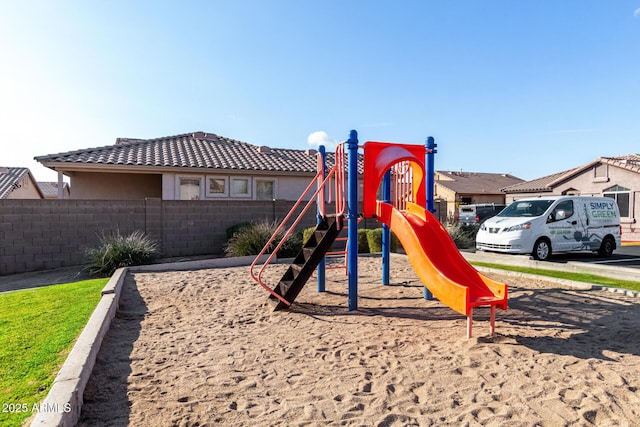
[(45, 234)]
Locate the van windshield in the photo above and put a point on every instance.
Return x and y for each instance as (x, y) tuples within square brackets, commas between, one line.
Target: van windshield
[(526, 208)]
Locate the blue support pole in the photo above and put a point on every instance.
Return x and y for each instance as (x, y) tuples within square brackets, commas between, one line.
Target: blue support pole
[(386, 231), (322, 265), (352, 217), (430, 173)]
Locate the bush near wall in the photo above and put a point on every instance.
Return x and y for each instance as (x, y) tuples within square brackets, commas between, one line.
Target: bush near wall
[(252, 238), (464, 236), (374, 239), (363, 241), (116, 250)]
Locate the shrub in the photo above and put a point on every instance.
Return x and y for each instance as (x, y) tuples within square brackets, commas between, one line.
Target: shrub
[(374, 240), (115, 251), (307, 233), (464, 236), (363, 241), (250, 239), (235, 228), (395, 243)]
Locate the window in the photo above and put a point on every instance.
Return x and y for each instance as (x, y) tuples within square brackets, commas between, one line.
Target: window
[(265, 189), (621, 196), (189, 188), (240, 187), (564, 210), (217, 186)]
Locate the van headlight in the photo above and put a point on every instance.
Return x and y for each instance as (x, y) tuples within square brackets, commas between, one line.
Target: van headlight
[(482, 227), (519, 227)]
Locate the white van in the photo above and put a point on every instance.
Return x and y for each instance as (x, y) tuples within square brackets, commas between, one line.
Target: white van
[(544, 225)]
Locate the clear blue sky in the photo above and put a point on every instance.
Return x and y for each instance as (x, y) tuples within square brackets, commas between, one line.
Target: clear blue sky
[(522, 87)]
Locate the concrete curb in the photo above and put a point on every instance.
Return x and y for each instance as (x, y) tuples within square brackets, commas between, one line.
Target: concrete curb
[(63, 404)]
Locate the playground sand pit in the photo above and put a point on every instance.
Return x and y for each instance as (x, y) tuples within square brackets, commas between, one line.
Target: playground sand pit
[(201, 348)]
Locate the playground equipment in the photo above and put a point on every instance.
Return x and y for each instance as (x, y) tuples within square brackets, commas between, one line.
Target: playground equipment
[(405, 173)]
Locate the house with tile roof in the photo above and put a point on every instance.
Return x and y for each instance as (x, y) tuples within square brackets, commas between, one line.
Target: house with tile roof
[(469, 188), (18, 183), (191, 166), (50, 190), (616, 177)]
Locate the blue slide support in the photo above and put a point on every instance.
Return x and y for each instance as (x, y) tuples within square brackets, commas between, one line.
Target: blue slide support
[(322, 265), (430, 173), (352, 217), (386, 231)]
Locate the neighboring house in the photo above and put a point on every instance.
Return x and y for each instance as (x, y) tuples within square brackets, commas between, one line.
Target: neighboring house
[(615, 177), (18, 183), (470, 188), (50, 189), (192, 166)]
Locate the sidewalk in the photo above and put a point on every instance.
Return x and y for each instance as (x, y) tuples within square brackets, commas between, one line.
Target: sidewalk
[(36, 279)]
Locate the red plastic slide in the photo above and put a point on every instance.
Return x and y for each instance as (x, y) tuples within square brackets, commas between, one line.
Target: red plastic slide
[(439, 264)]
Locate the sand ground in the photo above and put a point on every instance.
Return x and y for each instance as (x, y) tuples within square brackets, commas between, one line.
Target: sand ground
[(201, 348)]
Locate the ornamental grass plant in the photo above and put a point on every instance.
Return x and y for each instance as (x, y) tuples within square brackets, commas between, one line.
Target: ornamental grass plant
[(250, 239), (115, 251)]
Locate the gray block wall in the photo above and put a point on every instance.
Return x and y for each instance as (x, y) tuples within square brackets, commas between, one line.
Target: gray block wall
[(45, 234)]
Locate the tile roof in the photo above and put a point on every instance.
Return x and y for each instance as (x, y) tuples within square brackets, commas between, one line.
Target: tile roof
[(546, 183), (9, 177), (538, 184), (191, 150), (628, 161), (50, 189), (476, 182)]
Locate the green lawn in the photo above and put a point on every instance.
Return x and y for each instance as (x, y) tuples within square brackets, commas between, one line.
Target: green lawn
[(578, 277), (37, 330)]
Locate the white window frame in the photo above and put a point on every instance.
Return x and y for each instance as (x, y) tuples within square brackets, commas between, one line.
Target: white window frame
[(226, 186), (200, 178), (255, 187), (619, 189), (240, 195)]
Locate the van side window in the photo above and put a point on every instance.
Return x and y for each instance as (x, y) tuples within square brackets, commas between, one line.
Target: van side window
[(564, 210)]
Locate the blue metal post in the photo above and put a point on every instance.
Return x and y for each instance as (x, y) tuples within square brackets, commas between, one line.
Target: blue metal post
[(352, 217), (322, 265), (430, 173), (386, 231)]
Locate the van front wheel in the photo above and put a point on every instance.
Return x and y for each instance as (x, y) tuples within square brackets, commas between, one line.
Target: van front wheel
[(542, 250), (607, 247)]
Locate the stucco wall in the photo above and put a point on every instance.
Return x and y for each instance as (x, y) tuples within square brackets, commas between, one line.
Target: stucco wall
[(287, 187), (24, 189), (453, 200), (115, 186)]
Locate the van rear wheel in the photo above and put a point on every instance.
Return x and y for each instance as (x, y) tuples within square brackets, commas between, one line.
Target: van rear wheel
[(607, 247), (542, 250)]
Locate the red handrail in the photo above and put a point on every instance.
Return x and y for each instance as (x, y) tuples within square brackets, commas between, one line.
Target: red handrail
[(321, 180)]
